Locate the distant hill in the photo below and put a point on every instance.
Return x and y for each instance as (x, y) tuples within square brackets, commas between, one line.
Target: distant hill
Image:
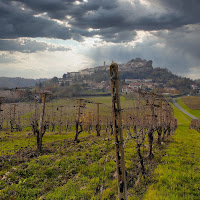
[(141, 69), (136, 73), (7, 82)]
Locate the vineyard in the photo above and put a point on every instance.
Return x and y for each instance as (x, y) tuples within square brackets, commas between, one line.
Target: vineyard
[(95, 148), (192, 102)]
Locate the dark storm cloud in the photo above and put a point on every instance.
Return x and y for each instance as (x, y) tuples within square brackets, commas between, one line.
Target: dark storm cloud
[(28, 46), (175, 50), (113, 13), (114, 20), (185, 39), (15, 22), (127, 16), (119, 17), (58, 9), (188, 10)]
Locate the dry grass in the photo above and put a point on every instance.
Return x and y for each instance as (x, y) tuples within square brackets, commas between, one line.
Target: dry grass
[(192, 102)]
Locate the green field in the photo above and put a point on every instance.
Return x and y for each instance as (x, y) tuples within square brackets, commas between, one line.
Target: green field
[(177, 177), (86, 170)]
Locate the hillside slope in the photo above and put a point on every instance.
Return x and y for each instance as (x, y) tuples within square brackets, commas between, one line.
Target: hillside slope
[(8, 82)]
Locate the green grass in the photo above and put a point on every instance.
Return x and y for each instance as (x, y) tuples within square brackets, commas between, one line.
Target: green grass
[(108, 101), (74, 171), (17, 140), (78, 170), (196, 113), (178, 177)]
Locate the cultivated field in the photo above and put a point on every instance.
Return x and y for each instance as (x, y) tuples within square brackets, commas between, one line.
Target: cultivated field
[(66, 169), (192, 102)]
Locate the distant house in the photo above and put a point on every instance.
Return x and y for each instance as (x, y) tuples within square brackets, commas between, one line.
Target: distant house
[(171, 90), (87, 71), (132, 80), (194, 87), (84, 72), (71, 75), (149, 85), (147, 80), (131, 87), (136, 85), (101, 68), (75, 74), (126, 89), (89, 83), (62, 81)]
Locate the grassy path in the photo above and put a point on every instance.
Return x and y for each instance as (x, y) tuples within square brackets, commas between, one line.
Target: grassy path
[(178, 176)]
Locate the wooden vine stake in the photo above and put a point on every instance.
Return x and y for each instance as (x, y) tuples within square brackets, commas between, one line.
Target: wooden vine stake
[(1, 115), (60, 120), (117, 123), (42, 125), (98, 127), (78, 123)]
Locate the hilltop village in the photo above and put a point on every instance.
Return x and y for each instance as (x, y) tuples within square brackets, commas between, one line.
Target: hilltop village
[(136, 74)]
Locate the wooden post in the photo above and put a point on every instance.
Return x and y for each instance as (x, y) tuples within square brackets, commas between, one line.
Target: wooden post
[(117, 122), (1, 116), (14, 112), (52, 120), (42, 128), (18, 122), (160, 125), (78, 121), (98, 127), (78, 115), (43, 112), (152, 128), (60, 120), (12, 118), (165, 120), (36, 109)]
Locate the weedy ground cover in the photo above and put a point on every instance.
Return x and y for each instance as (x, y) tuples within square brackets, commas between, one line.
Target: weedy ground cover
[(177, 176), (12, 142), (86, 170), (78, 168), (65, 170)]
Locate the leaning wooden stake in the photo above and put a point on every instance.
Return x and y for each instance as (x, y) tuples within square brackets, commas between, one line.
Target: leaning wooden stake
[(12, 118), (160, 125), (42, 128), (78, 123), (1, 116), (120, 164), (60, 120), (98, 127), (43, 124)]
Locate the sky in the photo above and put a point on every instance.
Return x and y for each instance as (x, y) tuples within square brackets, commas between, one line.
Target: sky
[(47, 38)]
